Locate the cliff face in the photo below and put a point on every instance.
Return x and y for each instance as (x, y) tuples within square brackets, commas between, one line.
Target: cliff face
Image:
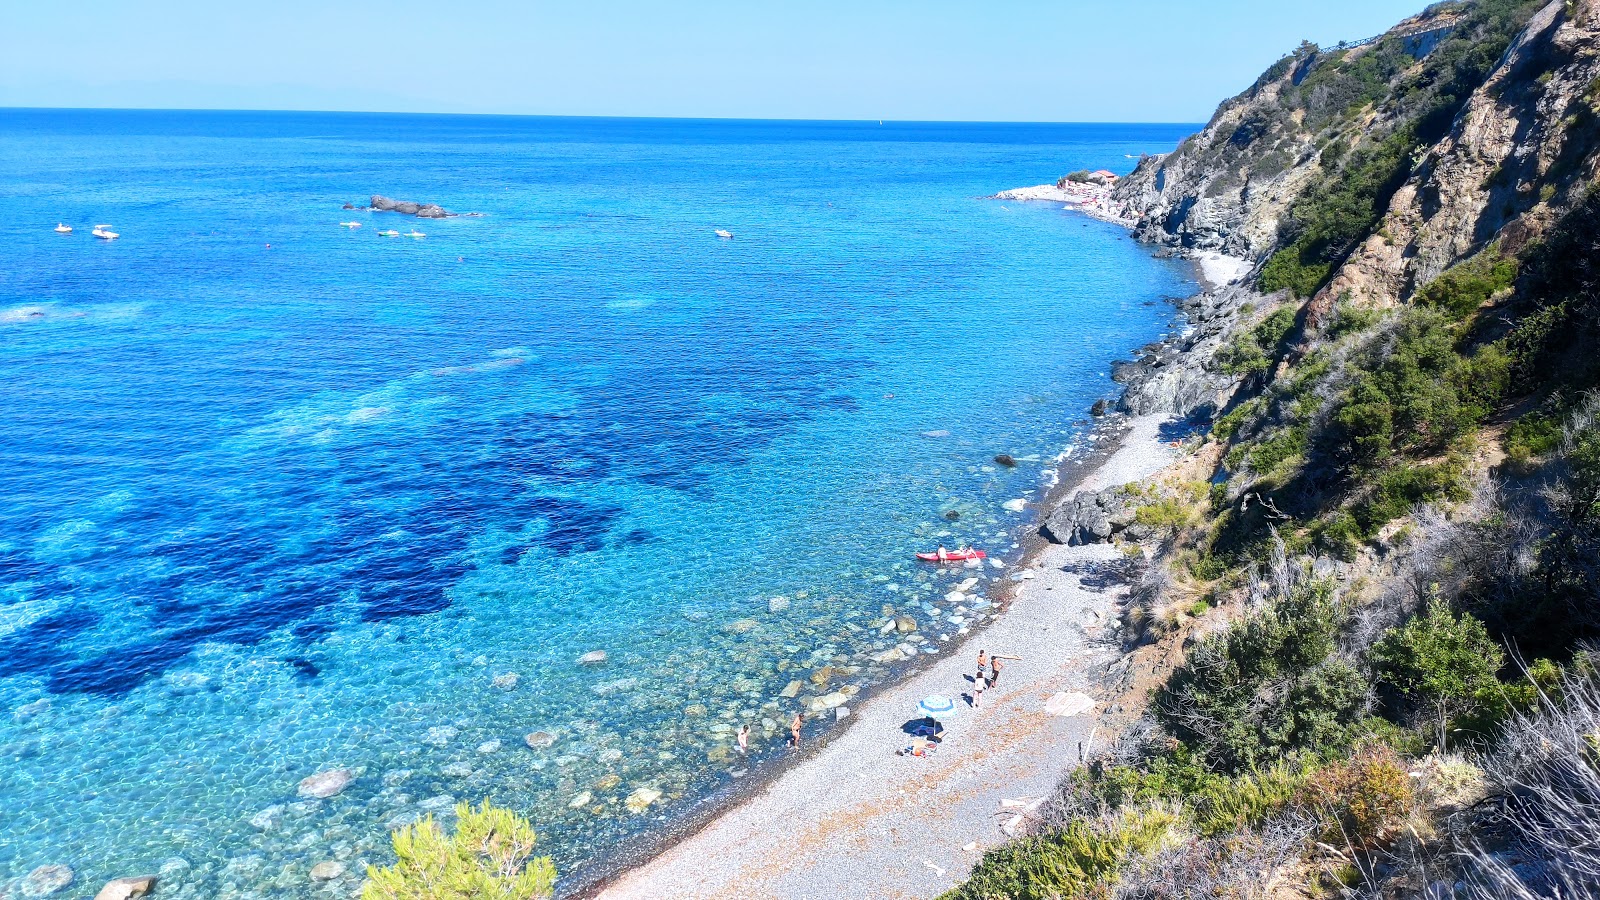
[(1472, 146), (1520, 151)]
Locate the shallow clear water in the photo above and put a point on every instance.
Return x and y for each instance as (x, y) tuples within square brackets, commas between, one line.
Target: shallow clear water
[(269, 511)]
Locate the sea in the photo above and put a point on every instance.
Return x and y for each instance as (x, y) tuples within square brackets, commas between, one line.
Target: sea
[(537, 505)]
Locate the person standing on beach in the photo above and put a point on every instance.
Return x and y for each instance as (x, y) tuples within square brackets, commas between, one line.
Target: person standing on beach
[(978, 685), (744, 739), (994, 670), (983, 657), (794, 729)]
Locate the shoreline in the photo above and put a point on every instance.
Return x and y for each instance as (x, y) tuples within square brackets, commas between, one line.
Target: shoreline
[(1001, 751), (856, 844)]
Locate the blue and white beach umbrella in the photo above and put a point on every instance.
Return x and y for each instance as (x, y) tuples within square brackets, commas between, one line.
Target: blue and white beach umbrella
[(936, 706)]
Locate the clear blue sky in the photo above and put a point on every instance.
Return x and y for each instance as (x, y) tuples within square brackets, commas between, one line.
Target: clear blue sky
[(997, 60)]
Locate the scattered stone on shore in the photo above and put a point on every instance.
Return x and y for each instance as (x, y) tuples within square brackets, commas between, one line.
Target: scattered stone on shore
[(327, 870), (127, 888), (1005, 459), (640, 799), (593, 658), (409, 208), (905, 624), (47, 880), (323, 785), (791, 690), (539, 740), (507, 681), (1090, 517)]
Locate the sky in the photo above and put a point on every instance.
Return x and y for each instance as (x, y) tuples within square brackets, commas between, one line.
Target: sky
[(983, 60)]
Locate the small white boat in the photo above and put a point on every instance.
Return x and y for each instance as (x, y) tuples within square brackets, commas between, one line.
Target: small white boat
[(415, 233), (63, 228), (104, 235), (390, 233), (349, 224), (724, 234)]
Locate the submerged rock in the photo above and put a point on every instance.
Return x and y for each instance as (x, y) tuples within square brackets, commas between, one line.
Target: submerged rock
[(640, 799), (905, 624), (1005, 459), (47, 880), (507, 681), (327, 870), (583, 799), (777, 604), (791, 690), (323, 785), (538, 740), (127, 888), (592, 658)]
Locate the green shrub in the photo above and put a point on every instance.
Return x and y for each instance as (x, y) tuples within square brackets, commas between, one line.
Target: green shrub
[(1081, 860), (1442, 666), (1535, 434), (1252, 352), (488, 858), (1461, 289), (1266, 687)]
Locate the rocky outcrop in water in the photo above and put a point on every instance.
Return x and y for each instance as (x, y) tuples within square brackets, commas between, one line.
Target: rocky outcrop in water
[(407, 207)]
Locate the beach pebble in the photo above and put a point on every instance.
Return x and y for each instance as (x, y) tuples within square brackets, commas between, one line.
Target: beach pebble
[(592, 658), (507, 681), (323, 785), (327, 870), (905, 624), (538, 740), (955, 597), (127, 888), (46, 880), (886, 627), (642, 798), (489, 746), (890, 655)]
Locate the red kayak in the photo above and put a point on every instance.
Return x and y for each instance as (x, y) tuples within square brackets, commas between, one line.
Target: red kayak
[(950, 556)]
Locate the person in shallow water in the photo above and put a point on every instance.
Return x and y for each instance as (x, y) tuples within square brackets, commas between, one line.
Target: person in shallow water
[(744, 739), (794, 729)]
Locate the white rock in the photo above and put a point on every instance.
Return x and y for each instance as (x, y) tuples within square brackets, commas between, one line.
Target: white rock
[(439, 735), (268, 818), (127, 888), (967, 585), (582, 799), (1016, 506), (592, 658), (489, 746), (28, 710), (642, 798), (841, 712), (539, 739), (777, 604), (955, 597), (507, 681), (457, 770)]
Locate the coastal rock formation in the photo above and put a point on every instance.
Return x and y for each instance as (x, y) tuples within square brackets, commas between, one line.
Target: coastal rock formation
[(409, 208), (1090, 517), (127, 888)]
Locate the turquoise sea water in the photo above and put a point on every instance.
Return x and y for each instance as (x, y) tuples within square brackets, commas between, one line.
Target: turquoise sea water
[(270, 511)]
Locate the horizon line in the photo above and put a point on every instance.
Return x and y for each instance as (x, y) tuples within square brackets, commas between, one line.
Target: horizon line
[(487, 115)]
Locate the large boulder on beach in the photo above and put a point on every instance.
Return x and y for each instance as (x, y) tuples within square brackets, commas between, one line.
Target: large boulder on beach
[(409, 208), (1090, 517)]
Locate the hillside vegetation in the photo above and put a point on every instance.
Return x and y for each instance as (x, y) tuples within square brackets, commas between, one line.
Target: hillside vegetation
[(1386, 589)]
